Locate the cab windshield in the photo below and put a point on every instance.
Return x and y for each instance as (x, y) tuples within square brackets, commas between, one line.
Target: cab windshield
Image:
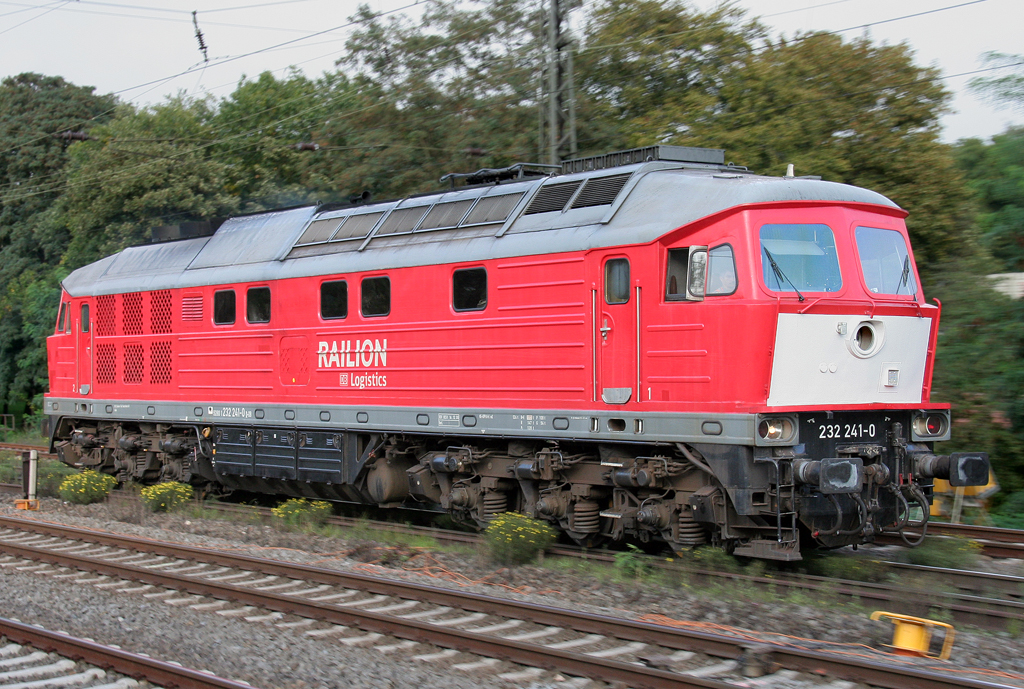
[(800, 258), (885, 261)]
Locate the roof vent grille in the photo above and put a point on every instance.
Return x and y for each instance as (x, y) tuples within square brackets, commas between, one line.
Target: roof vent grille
[(553, 197), (600, 191)]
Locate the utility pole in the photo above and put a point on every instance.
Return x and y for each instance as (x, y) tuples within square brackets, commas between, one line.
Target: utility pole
[(557, 102)]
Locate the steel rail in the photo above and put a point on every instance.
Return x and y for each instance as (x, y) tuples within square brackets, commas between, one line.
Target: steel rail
[(133, 665), (877, 673)]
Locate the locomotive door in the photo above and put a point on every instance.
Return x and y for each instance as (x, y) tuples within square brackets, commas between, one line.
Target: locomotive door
[(83, 351), (616, 333)]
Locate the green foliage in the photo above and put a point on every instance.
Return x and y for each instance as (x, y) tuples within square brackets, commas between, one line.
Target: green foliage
[(712, 558), (301, 512), (167, 496), (843, 567), (995, 172), (950, 553), (632, 563), (86, 487), (1010, 513), (515, 539)]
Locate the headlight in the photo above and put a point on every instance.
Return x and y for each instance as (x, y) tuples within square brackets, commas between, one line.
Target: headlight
[(931, 426), (776, 430)]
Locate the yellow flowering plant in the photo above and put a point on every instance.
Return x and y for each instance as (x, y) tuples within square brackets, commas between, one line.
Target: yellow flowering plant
[(86, 487), (167, 496), (515, 539), (298, 511)]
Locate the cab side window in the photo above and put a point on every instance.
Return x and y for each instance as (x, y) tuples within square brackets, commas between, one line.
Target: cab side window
[(85, 318), (62, 318), (224, 307), (675, 282), (721, 271), (469, 289), (616, 281)]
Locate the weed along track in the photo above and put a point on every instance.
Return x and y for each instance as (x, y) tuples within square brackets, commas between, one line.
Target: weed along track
[(462, 633)]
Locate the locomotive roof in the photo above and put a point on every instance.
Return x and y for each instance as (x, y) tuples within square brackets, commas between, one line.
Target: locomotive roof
[(632, 204)]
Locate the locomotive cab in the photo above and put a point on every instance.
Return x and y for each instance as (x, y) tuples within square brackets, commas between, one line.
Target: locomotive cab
[(815, 311)]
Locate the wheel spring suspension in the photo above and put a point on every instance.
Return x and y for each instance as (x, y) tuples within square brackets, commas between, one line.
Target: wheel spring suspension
[(494, 504), (586, 517), (690, 532)]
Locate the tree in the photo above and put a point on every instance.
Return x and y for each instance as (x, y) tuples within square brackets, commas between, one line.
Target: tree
[(33, 109), (850, 112), (996, 173), (147, 167)]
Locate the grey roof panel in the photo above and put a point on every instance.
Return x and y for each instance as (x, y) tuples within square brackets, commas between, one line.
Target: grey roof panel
[(656, 201), (253, 238)]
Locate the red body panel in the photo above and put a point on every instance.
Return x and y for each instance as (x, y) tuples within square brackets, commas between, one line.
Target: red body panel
[(546, 339)]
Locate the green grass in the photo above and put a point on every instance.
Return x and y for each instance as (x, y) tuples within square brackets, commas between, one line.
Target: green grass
[(51, 474)]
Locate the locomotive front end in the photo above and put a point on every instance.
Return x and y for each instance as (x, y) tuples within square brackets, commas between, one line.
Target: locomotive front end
[(851, 450)]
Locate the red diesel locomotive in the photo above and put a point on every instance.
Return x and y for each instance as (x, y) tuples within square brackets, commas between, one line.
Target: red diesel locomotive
[(651, 345)]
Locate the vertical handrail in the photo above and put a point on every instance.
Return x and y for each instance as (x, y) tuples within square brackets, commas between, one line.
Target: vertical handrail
[(593, 363), (639, 388)]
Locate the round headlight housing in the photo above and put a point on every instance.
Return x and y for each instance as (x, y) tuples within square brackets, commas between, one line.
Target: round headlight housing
[(931, 425), (775, 429)]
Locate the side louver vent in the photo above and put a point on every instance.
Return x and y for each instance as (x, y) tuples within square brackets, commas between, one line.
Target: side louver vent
[(552, 197), (600, 191)]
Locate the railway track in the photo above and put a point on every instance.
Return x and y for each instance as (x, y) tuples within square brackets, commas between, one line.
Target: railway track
[(35, 657), (987, 601), (357, 609)]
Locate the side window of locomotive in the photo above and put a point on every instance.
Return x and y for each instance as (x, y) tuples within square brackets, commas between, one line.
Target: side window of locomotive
[(721, 271), (257, 305), (334, 299), (616, 281), (469, 289), (885, 261), (376, 296), (224, 307), (85, 318), (675, 280), (800, 258), (62, 318)]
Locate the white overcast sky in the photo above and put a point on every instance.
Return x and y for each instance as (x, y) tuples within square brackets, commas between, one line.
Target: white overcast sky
[(132, 48)]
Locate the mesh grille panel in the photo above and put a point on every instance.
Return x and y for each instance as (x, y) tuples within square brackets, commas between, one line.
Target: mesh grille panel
[(160, 363), (493, 209), (106, 363), (446, 214), (192, 308), (600, 191), (357, 226), (402, 220), (131, 310), (552, 197), (319, 231), (160, 318), (134, 362), (106, 311)]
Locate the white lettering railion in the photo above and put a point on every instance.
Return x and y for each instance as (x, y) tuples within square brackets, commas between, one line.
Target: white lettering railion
[(352, 353)]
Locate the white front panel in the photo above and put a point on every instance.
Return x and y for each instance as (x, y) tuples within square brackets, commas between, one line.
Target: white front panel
[(819, 360)]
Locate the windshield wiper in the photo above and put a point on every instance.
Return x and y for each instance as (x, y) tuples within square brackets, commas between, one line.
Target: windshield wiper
[(779, 275), (905, 275)]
